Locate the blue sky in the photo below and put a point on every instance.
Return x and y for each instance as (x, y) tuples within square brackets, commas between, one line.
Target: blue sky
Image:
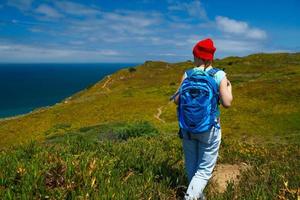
[(139, 30)]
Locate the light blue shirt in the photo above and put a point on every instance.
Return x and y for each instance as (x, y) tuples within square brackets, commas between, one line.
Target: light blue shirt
[(218, 76)]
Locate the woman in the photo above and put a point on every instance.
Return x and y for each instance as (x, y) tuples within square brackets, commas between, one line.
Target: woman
[(201, 150)]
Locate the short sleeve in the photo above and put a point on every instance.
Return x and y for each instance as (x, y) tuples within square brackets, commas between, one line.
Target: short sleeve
[(184, 75), (219, 76)]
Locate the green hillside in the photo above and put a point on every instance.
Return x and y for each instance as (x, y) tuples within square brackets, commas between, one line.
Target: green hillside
[(266, 87), (118, 138)]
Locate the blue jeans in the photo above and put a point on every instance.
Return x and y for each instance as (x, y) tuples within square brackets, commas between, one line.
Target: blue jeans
[(200, 152)]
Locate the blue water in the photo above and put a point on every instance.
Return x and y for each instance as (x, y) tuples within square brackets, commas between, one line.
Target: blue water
[(25, 87)]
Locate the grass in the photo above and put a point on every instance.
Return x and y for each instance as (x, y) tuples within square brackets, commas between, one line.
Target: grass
[(107, 144), (138, 168), (111, 131), (150, 86), (84, 168)]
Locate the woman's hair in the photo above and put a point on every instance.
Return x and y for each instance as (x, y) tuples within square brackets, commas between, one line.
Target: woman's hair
[(199, 61)]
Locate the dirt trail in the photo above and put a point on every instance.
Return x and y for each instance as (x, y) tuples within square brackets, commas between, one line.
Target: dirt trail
[(225, 173), (158, 114), (106, 82)]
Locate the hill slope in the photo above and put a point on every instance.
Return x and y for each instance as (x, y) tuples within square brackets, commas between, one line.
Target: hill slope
[(266, 87), (117, 139)]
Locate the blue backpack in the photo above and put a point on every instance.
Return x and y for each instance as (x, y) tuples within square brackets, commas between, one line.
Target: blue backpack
[(198, 101)]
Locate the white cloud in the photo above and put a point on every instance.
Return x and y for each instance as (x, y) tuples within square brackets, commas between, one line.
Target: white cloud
[(162, 41), (76, 8), (180, 26), (229, 47), (237, 46), (256, 33), (279, 51), (47, 11), (193, 39), (88, 32), (26, 52), (140, 19), (193, 8), (22, 5), (169, 55), (226, 46), (117, 26), (241, 28), (94, 27)]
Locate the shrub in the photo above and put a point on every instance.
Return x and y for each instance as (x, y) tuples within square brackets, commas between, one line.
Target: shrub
[(131, 69), (106, 132), (58, 129), (137, 129)]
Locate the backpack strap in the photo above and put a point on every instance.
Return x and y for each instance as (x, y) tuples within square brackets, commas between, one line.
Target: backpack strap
[(189, 72), (213, 71)]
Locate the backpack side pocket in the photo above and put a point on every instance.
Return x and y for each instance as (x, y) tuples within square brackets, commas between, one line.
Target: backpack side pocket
[(180, 135)]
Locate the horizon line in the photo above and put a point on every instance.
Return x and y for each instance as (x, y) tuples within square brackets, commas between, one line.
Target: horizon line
[(146, 60)]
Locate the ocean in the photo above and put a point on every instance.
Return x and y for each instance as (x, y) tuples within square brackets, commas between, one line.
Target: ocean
[(25, 87)]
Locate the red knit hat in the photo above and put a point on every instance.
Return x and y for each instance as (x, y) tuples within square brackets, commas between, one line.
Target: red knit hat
[(204, 49)]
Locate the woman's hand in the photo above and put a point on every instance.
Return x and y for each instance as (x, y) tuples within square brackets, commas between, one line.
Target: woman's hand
[(229, 86), (176, 99)]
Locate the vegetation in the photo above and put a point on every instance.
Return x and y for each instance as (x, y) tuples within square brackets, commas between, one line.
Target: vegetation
[(83, 166), (105, 143), (131, 69), (111, 131)]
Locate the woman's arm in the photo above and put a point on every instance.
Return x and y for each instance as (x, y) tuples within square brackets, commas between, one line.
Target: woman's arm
[(226, 92)]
